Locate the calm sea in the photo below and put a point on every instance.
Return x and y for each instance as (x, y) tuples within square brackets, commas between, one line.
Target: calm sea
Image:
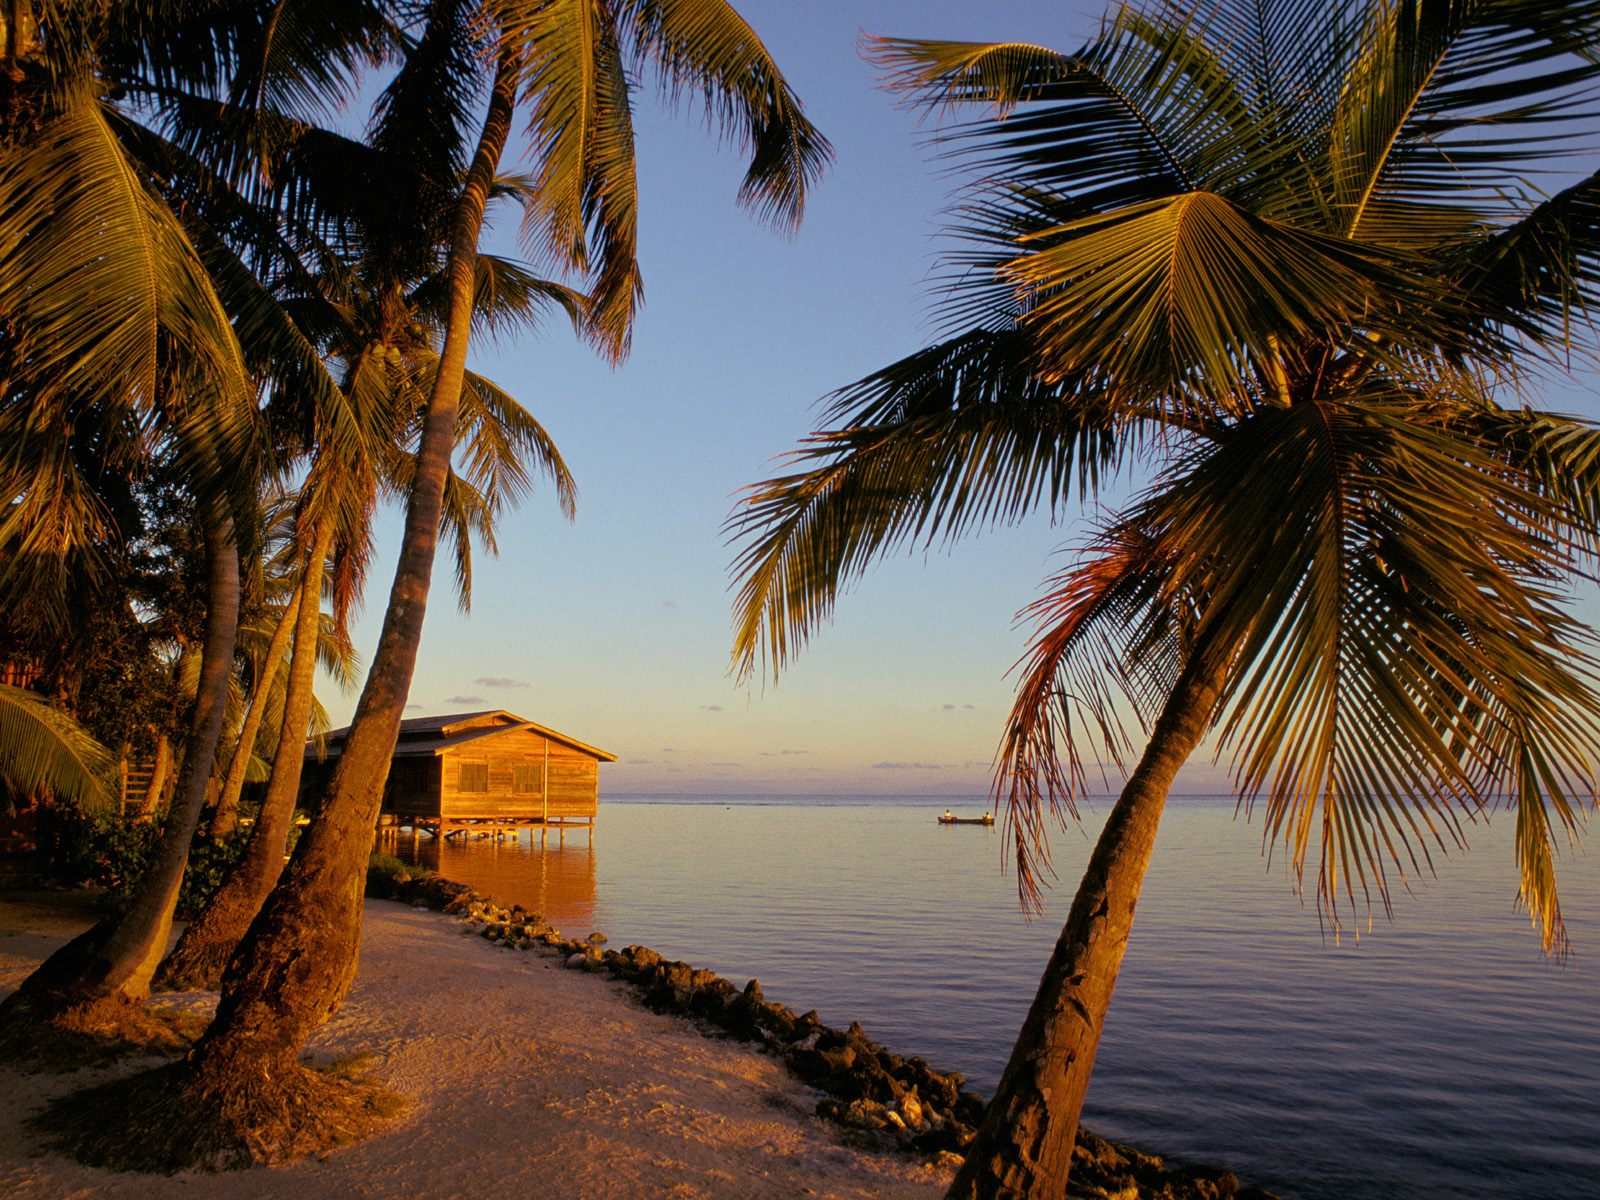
[(1440, 1055)]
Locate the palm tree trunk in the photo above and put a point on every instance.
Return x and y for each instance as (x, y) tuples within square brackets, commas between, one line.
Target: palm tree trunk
[(296, 963), (94, 980), (1023, 1150), (226, 818), (197, 961), (160, 771)]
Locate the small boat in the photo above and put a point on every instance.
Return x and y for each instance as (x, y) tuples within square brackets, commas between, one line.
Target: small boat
[(948, 819)]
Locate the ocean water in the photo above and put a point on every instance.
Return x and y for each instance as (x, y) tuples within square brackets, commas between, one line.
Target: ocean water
[(1438, 1055)]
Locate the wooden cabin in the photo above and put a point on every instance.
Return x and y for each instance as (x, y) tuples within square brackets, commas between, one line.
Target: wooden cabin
[(482, 772)]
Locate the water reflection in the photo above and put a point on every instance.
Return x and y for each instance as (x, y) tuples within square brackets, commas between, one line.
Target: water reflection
[(552, 879)]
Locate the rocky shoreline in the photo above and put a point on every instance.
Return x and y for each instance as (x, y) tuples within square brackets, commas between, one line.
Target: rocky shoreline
[(882, 1099)]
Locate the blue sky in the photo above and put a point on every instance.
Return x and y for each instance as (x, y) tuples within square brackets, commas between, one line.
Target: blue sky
[(616, 627)]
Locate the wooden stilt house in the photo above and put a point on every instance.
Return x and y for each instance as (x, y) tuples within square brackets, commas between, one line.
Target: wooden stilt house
[(483, 772)]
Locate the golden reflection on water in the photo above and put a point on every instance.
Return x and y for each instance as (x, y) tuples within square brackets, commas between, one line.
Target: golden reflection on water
[(555, 880)]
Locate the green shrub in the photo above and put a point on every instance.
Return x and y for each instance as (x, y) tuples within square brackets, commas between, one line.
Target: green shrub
[(386, 874), (209, 864), (114, 853), (108, 851)]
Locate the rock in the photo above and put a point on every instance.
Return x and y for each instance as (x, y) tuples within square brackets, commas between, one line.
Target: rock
[(911, 1109), (712, 1000), (642, 956), (893, 1118), (576, 962), (596, 939), (1213, 1183), (775, 1019), (858, 1114)]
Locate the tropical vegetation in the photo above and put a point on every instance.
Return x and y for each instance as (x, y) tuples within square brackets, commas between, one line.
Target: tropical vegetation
[(1295, 273), (205, 278)]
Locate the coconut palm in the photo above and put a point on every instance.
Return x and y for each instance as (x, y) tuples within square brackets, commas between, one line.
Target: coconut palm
[(142, 333), (383, 335), (570, 65), (1293, 258)]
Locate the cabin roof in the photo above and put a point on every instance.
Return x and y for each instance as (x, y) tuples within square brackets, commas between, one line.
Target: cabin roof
[(426, 737)]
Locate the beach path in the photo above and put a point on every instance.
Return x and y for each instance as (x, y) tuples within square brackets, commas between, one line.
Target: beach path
[(525, 1080)]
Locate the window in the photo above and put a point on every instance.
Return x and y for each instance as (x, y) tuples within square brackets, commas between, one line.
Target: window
[(525, 778), (474, 776)]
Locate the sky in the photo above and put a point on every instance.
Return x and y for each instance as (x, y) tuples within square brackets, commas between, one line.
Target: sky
[(616, 627)]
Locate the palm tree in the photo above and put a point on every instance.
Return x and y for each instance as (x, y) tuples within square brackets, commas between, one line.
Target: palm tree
[(1292, 258), (384, 340), (128, 326), (242, 1093)]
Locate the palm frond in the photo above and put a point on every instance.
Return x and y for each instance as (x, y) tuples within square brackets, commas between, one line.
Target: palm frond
[(1438, 98), (508, 297), (1539, 274), (583, 210), (1195, 294), (498, 438), (1400, 644), (706, 49), (961, 435), (1078, 671), (94, 271), (44, 750)]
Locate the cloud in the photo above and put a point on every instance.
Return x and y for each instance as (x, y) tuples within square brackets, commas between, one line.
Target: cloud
[(725, 764), (498, 681), (907, 766), (782, 753), (948, 707), (638, 762), (465, 700), (669, 750), (711, 708)]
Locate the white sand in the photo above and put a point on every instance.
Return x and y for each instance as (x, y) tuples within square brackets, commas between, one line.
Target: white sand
[(527, 1081)]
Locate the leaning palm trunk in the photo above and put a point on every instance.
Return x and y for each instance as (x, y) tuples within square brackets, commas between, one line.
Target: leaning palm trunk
[(95, 983), (242, 1096), (226, 817), (202, 952), (160, 773), (1023, 1150)]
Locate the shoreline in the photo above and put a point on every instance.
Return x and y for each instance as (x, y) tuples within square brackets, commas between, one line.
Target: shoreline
[(648, 1104), (883, 1101)]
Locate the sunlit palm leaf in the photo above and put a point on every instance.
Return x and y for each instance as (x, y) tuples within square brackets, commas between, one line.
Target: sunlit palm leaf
[(94, 271), (44, 750), (1448, 102), (705, 49), (960, 435), (1193, 293), (1078, 674)]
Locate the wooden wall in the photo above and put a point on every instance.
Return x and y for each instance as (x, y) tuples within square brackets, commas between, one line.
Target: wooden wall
[(504, 776), (413, 787)]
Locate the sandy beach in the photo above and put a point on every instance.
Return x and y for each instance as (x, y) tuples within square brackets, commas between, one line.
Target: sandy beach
[(525, 1079)]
